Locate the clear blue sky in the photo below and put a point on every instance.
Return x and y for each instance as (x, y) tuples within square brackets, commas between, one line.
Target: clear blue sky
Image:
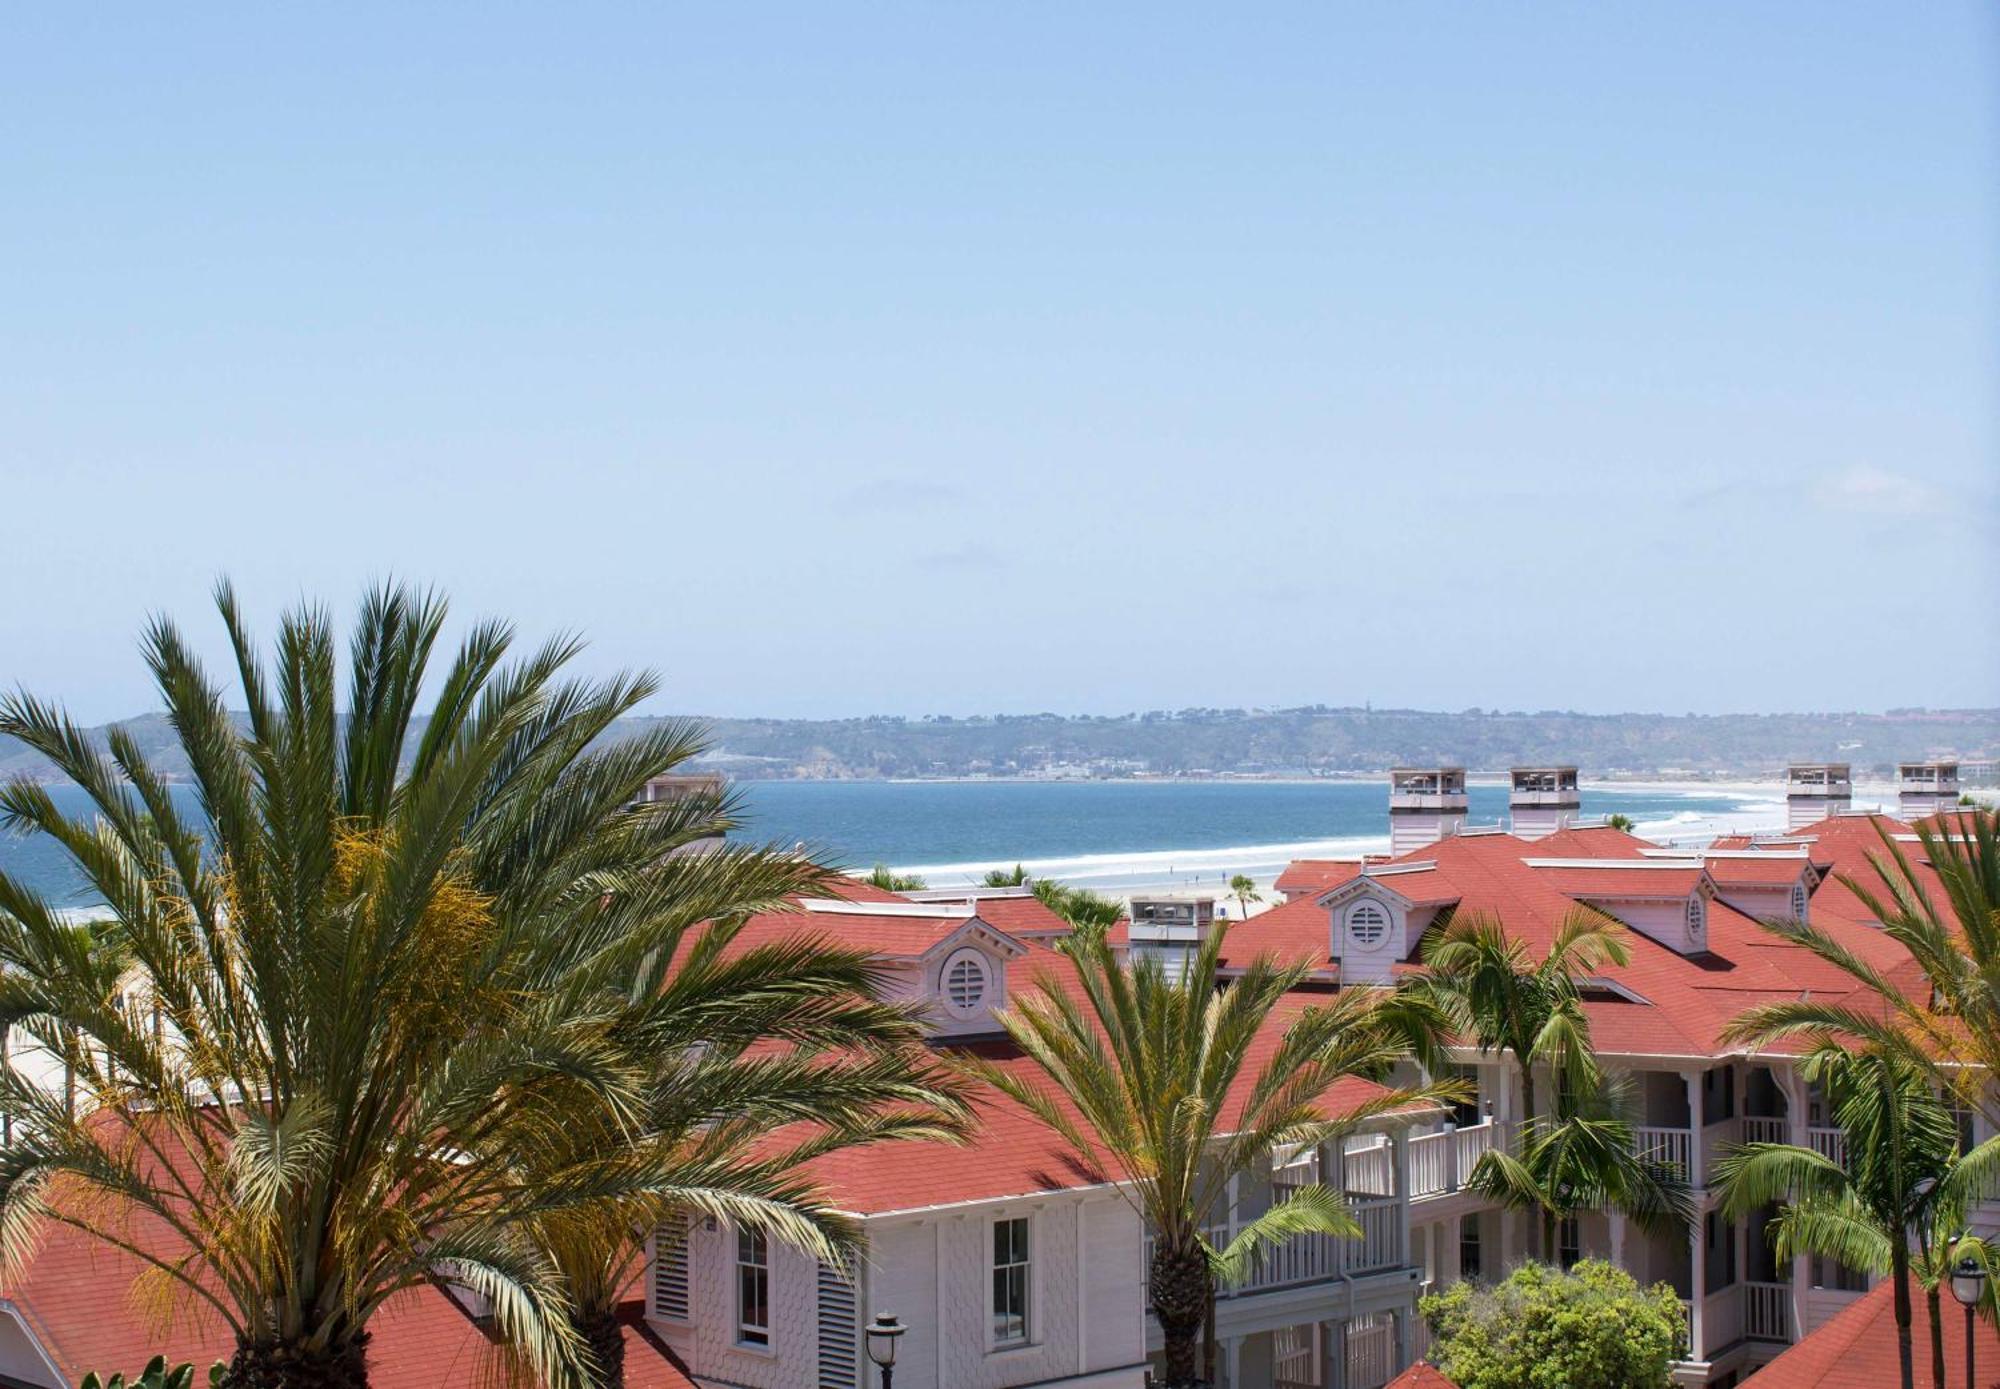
[(847, 358)]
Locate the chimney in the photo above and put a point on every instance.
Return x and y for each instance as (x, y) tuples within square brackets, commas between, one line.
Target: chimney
[(1426, 804), (1925, 788), (1542, 801), (1815, 790)]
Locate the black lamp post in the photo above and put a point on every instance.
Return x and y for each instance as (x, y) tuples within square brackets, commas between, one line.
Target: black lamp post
[(1968, 1285), (883, 1333)]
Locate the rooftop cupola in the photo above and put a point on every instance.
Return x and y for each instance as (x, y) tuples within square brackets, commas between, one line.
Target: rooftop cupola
[(1542, 801), (1925, 788), (674, 787), (1172, 929), (1815, 790), (1426, 804)]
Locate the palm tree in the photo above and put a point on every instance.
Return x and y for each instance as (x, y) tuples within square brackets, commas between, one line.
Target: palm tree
[(1244, 890), (1495, 994), (889, 880), (1079, 906), (384, 966), (1017, 876), (1948, 1025), (732, 1123), (1902, 1178), (1582, 1158), (1619, 820), (1158, 1083)]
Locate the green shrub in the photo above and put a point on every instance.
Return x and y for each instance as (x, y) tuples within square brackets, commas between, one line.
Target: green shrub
[(1590, 1328), (156, 1375)]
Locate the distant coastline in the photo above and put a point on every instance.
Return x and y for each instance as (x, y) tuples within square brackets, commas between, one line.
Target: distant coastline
[(1315, 745)]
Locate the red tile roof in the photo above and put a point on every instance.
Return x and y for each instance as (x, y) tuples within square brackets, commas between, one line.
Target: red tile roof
[(76, 1297), (1755, 872), (1021, 916), (1315, 875), (1683, 1002), (1615, 878), (1012, 1154), (1857, 1349), (1422, 1375), (912, 931)]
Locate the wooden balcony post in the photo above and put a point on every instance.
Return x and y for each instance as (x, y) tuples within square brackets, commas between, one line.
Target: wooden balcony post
[(1697, 1176)]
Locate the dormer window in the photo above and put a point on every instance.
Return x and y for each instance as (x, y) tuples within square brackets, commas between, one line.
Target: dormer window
[(1798, 901), (1697, 916), (1367, 924), (965, 981)]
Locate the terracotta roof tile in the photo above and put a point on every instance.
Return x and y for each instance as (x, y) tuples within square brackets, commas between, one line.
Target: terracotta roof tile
[(1857, 1348)]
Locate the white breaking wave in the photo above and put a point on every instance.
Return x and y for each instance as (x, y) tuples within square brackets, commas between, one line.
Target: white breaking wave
[(1209, 869)]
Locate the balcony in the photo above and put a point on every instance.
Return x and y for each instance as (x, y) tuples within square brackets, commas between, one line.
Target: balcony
[(1738, 1313), (1440, 1162), (1829, 1143), (1764, 1128), (1316, 1258), (1666, 1148)]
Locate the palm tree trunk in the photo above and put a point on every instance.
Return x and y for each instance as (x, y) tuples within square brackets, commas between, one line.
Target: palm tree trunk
[(600, 1331), (293, 1364), (1180, 1288), (1931, 1305), (1899, 1269), (1547, 1248), (1208, 1338)]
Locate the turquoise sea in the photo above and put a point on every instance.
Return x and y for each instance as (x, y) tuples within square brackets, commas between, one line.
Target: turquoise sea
[(1108, 835)]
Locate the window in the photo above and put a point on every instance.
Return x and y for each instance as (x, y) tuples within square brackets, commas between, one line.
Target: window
[(670, 1270), (1798, 901), (1569, 1241), (965, 981), (1367, 924), (1469, 1264), (1010, 1281), (753, 1289), (1697, 916)]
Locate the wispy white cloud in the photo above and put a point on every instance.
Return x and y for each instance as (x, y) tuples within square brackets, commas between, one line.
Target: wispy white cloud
[(1878, 492)]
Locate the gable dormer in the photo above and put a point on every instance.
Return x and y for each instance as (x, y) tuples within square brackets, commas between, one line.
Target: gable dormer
[(964, 978), (1764, 884), (1375, 921), (1665, 899), (942, 955)]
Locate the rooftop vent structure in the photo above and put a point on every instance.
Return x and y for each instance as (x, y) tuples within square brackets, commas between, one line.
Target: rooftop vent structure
[(1426, 804), (1815, 790), (1542, 801), (1925, 788)]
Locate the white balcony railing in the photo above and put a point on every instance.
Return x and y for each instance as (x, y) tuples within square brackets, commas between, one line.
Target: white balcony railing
[(1316, 1258), (1721, 1320), (1370, 1170), (1440, 1162), (1829, 1143), (1761, 1128), (1371, 1351), (1740, 1312), (1668, 1148), (1767, 1312)]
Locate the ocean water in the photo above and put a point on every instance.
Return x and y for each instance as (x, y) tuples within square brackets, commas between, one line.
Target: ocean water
[(1112, 836), (1122, 835)]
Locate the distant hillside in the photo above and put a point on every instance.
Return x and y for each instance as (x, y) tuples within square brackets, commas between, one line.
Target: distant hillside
[(1311, 741)]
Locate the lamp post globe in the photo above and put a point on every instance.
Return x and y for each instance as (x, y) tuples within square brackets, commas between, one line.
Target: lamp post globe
[(1968, 1285), (1968, 1281), (882, 1335)]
